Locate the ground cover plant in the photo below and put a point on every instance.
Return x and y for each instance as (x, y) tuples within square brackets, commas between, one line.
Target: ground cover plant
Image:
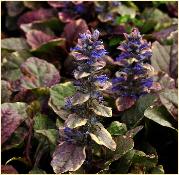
[(89, 87)]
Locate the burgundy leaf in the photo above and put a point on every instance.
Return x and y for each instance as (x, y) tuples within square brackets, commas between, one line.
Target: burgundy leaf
[(36, 38), (66, 17), (123, 103), (68, 157), (8, 169), (169, 98), (57, 4), (164, 33), (38, 73), (12, 115), (14, 8), (36, 15), (72, 29)]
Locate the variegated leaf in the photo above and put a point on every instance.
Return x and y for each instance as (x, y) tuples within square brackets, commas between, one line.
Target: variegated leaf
[(68, 157), (102, 137), (102, 110), (74, 121), (80, 98)]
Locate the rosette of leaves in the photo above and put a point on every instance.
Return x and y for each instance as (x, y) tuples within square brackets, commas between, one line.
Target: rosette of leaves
[(85, 108), (135, 75)]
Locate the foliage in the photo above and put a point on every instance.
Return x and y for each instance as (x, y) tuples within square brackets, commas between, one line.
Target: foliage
[(89, 87)]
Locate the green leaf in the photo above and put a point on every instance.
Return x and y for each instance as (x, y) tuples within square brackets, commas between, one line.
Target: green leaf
[(158, 170), (43, 122), (38, 73), (74, 121), (169, 98), (68, 157), (155, 19), (46, 47), (114, 41), (15, 44), (117, 128), (101, 110), (135, 114), (159, 115), (17, 139), (12, 115), (58, 93), (59, 123), (124, 145), (11, 64), (37, 170), (102, 137), (140, 158), (125, 10), (51, 135), (124, 163)]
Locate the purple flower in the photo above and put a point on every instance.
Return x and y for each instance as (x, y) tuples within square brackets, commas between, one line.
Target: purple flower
[(101, 79), (124, 55), (80, 8), (134, 46), (137, 81), (118, 80), (147, 82), (98, 53), (139, 69), (68, 103), (72, 135), (88, 51)]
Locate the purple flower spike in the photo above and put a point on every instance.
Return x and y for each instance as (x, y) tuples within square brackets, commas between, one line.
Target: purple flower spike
[(135, 52)]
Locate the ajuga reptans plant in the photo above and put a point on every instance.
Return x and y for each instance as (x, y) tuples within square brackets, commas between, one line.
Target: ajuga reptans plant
[(135, 75), (82, 127)]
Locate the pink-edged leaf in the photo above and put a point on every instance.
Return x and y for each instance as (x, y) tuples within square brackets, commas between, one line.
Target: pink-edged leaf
[(57, 4), (8, 169), (36, 38), (12, 115), (37, 73), (35, 15), (72, 29), (66, 17), (123, 103), (68, 157)]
